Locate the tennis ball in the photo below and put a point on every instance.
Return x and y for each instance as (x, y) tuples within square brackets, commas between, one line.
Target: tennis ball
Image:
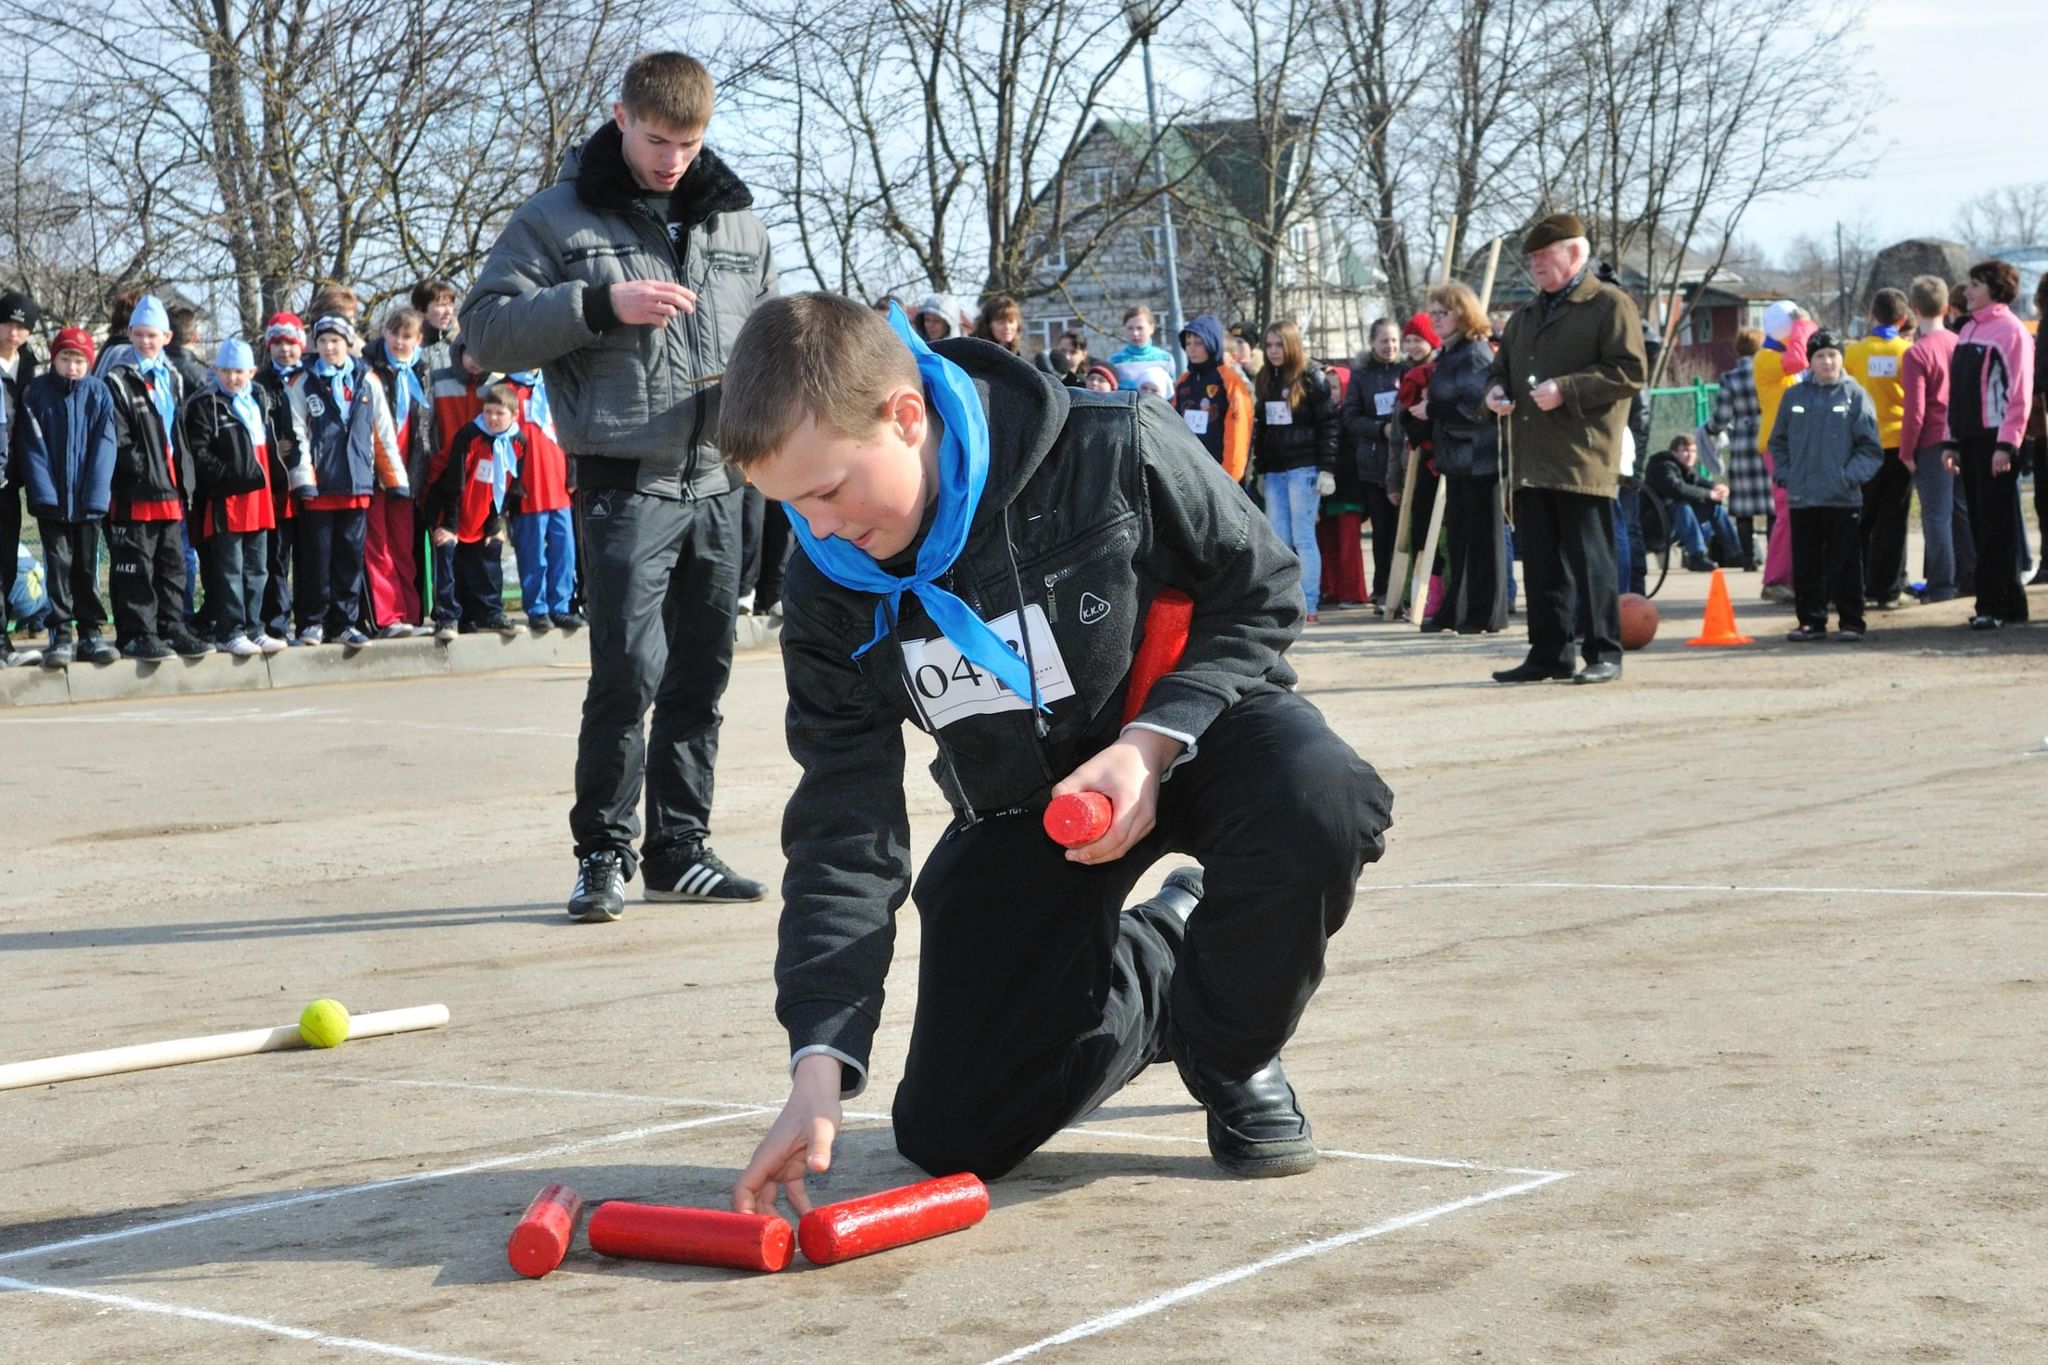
[(324, 1023)]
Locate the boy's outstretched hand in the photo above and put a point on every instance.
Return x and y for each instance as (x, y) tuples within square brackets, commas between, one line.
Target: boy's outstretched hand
[(1128, 773), (799, 1142)]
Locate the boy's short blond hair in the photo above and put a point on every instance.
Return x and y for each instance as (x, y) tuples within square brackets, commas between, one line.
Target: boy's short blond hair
[(822, 356), (669, 88), (403, 320), (1929, 294)]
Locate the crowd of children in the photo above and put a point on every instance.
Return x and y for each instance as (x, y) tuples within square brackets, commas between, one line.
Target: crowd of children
[(333, 492)]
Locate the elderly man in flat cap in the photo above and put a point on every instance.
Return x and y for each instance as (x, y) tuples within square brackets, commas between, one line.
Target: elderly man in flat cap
[(1569, 362)]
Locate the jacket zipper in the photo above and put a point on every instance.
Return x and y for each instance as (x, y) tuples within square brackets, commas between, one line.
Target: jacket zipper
[(1107, 547)]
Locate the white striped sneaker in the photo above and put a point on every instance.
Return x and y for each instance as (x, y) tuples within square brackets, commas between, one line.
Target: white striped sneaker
[(696, 874)]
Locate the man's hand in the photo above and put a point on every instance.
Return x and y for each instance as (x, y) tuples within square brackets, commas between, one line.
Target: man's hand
[(1948, 460), (650, 303), (1498, 402), (443, 536), (799, 1142), (1547, 396), (2001, 461), (1127, 772)]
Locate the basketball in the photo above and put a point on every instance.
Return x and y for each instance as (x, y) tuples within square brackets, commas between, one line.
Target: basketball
[(1638, 620)]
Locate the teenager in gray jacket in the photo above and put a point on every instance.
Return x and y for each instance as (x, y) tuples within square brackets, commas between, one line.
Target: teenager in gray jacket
[(628, 281), (1824, 448)]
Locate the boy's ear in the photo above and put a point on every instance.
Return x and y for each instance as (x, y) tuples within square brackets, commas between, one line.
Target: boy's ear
[(905, 410)]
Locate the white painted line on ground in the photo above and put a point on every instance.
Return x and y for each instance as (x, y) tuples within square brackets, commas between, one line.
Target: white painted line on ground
[(375, 1348), (417, 1178), (1110, 1321), (1703, 886), (1389, 1157)]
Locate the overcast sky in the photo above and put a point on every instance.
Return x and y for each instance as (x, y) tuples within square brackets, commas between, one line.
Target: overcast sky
[(1940, 136)]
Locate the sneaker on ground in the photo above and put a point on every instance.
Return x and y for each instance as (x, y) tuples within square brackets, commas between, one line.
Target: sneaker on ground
[(266, 643), (600, 892), (352, 639), (313, 635), (446, 632), (694, 873), (1807, 634), (241, 646), (95, 649)]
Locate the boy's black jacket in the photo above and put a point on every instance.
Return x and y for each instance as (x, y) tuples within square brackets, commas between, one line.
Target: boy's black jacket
[(223, 457), (1094, 502), (141, 472)]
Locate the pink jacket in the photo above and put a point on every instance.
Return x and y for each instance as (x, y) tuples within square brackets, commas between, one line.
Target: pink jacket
[(2008, 369), (1925, 375)]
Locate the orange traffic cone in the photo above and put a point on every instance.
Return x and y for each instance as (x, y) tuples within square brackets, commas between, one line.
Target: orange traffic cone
[(1720, 624)]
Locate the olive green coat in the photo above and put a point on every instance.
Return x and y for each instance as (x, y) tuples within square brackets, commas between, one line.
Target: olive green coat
[(1592, 345)]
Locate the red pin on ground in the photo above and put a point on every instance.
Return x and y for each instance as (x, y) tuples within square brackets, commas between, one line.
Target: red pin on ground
[(657, 1232), (1083, 817), (893, 1218), (542, 1238)]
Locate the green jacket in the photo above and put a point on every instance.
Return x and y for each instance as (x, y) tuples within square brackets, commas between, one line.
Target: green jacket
[(1592, 345)]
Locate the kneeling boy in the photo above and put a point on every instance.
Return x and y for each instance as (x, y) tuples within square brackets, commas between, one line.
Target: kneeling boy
[(976, 534)]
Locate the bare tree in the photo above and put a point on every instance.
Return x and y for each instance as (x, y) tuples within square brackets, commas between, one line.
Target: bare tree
[(2012, 215)]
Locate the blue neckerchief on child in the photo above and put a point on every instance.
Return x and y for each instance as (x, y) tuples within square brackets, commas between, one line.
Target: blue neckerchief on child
[(251, 414), (538, 412), (963, 474), (1773, 344), (337, 378), (157, 374), (405, 391), (504, 460), (1885, 331)]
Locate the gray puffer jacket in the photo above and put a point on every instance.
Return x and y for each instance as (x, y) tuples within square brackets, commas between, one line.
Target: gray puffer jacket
[(1824, 447), (642, 400)]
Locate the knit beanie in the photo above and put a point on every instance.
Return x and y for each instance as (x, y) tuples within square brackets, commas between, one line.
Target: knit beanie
[(74, 339), (1419, 326), (150, 312), (1105, 372), (234, 354), (334, 322), (18, 308), (285, 327)]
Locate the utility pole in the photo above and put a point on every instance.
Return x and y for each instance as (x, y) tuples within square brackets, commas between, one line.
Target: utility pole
[(1144, 22), (1841, 283)]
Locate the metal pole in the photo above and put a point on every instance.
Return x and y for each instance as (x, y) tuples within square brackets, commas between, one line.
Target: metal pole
[(1173, 314)]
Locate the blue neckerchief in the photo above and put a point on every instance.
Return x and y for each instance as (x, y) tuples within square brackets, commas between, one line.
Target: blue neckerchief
[(504, 460), (246, 408), (1773, 344), (963, 473), (284, 373), (337, 377), (405, 391), (1888, 333), (538, 412), (157, 374)]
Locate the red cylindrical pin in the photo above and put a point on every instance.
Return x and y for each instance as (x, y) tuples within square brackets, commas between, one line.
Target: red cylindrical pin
[(656, 1232), (1077, 818), (542, 1238), (893, 1218)]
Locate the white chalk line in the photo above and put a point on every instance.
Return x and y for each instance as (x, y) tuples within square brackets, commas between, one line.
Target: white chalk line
[(371, 1187), (359, 1344), (1123, 1316), (1945, 893)]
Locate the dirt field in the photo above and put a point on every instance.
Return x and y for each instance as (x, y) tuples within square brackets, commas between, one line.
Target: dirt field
[(1694, 1019)]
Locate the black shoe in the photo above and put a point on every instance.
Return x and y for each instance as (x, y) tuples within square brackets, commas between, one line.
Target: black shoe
[(1850, 635), (1984, 623), (1807, 634), (95, 650), (1434, 626), (186, 645), (1607, 670), (58, 655), (1531, 672), (502, 624), (1256, 1127), (1699, 564), (148, 649), (538, 624), (1181, 893), (600, 892), (695, 874), (569, 620)]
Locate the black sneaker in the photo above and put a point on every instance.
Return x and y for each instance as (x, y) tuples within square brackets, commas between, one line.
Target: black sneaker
[(694, 873), (95, 649), (538, 624), (58, 655), (147, 648), (186, 645), (1256, 1127), (600, 892), (1807, 634), (569, 620)]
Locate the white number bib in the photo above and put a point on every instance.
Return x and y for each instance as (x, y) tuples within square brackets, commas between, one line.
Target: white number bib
[(952, 688), (1383, 402), (1197, 420), (1278, 414), (1884, 367), (486, 471)]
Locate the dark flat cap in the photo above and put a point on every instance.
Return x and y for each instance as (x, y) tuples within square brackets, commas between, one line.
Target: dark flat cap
[(1558, 227)]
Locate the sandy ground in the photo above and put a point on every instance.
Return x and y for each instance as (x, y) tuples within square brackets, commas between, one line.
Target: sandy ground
[(1693, 1019)]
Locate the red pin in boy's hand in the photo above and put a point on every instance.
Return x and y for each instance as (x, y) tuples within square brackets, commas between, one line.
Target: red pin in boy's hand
[(1083, 817)]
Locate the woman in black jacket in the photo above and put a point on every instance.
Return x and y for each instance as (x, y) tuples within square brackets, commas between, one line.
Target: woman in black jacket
[(1294, 448), (1468, 457), (1368, 410)]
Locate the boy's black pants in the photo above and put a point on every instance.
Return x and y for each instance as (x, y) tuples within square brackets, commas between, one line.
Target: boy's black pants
[(147, 581), (71, 563), (1038, 998), (1887, 503), (277, 584), (327, 580), (1827, 564), (480, 579), (1995, 526)]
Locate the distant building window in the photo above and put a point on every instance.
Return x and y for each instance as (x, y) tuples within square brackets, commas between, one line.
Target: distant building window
[(1054, 257), (1152, 243), (1095, 184), (1047, 331)]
